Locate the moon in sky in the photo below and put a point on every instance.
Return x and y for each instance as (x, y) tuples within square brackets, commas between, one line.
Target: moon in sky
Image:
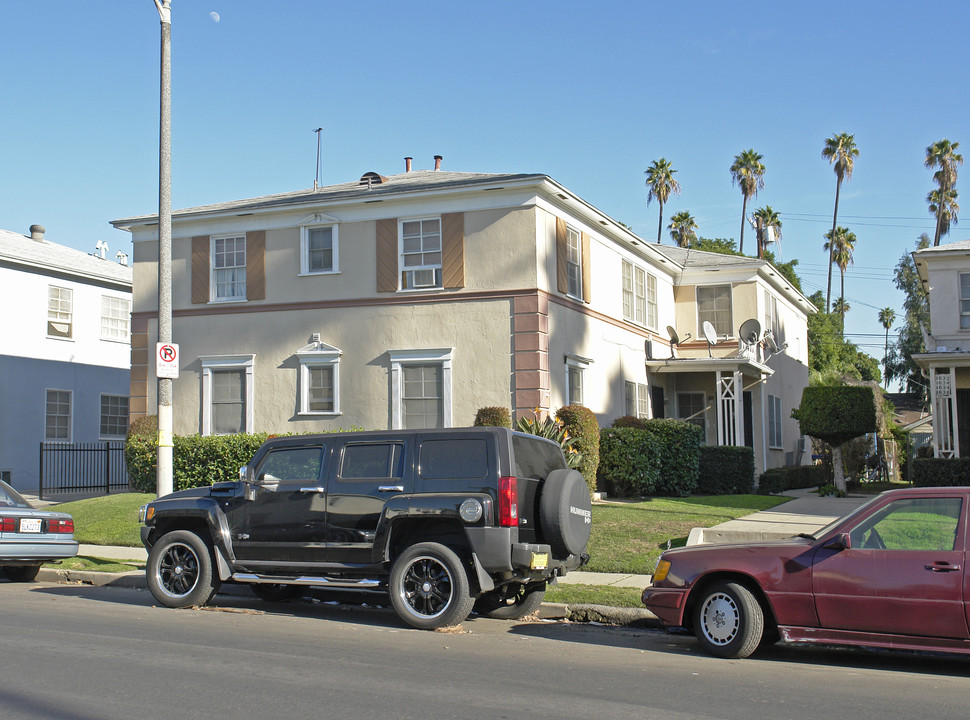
[(215, 16)]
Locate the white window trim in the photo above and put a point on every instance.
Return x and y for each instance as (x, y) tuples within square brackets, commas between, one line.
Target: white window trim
[(649, 279), (127, 338), (314, 356), (579, 363), (70, 417), (213, 285), (226, 362), (70, 336), (960, 300), (777, 413), (400, 256), (102, 436), (731, 332), (579, 236), (305, 249), (400, 358), (640, 391)]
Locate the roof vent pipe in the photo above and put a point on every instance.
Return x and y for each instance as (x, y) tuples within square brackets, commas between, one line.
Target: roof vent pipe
[(407, 164), (37, 233), (437, 162)]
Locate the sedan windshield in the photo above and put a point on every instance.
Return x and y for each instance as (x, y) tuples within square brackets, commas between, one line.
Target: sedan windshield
[(10, 497), (822, 532)]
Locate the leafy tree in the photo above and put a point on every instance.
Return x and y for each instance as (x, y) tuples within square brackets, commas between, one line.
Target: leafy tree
[(943, 155), (660, 184), (887, 316), (748, 173), (683, 229), (723, 246), (841, 151), (916, 319), (767, 218), (830, 356)]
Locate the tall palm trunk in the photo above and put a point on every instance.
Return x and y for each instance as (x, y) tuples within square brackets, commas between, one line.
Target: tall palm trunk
[(885, 361), (660, 223), (835, 219), (744, 210), (842, 295)]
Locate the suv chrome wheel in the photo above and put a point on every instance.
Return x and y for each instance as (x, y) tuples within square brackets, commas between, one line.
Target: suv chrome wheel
[(429, 587), (179, 570)]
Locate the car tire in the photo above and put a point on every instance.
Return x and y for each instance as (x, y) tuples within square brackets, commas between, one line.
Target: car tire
[(179, 570), (429, 587), (566, 512), (275, 592), (512, 601), (21, 573), (729, 621)]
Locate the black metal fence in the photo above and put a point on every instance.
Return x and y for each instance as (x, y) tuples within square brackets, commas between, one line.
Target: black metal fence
[(96, 468)]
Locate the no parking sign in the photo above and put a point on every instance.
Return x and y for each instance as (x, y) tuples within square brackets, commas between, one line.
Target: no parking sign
[(167, 360)]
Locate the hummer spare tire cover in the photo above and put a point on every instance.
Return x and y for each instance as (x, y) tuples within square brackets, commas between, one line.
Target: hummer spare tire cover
[(565, 511)]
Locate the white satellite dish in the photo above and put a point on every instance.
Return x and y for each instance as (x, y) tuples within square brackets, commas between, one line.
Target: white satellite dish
[(750, 331), (710, 334)]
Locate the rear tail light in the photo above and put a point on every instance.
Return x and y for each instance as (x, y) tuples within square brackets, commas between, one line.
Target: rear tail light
[(508, 502), (60, 526), (8, 524)]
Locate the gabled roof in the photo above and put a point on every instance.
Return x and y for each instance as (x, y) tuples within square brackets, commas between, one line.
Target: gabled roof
[(25, 253)]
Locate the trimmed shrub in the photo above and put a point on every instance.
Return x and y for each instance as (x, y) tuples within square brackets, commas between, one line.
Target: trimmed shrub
[(940, 472), (581, 425), (628, 421), (792, 477), (629, 462), (837, 413), (493, 417), (141, 454), (680, 443), (725, 470)]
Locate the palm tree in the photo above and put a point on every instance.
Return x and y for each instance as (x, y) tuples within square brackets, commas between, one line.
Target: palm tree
[(886, 316), (943, 155), (683, 229), (841, 245), (748, 173), (943, 204), (660, 183), (841, 307), (767, 218), (841, 150)]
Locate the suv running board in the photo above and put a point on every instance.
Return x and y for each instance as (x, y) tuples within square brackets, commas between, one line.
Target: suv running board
[(362, 583)]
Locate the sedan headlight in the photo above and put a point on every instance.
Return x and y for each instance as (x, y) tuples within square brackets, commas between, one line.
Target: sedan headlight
[(660, 572)]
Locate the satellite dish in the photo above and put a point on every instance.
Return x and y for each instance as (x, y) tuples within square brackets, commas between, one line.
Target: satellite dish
[(648, 349), (750, 331), (710, 334), (674, 337)]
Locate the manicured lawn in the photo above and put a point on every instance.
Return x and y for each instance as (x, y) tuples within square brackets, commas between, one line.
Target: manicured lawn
[(109, 520), (594, 595)]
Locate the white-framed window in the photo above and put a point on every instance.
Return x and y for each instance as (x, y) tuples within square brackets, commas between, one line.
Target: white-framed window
[(772, 320), (420, 253), (692, 407), (114, 416), (576, 378), (775, 423), (57, 426), (639, 295), (60, 312), (637, 399), (115, 318), (227, 394), (964, 301), (714, 306), (228, 268), (319, 250), (319, 379), (574, 262), (421, 388)]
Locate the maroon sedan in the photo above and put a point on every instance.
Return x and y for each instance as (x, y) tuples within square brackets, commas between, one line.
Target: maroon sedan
[(890, 574)]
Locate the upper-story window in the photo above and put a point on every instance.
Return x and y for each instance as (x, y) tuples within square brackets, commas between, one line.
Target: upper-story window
[(772, 321), (714, 306), (229, 268), (60, 312), (639, 295), (421, 254), (574, 262), (965, 300), (115, 318), (319, 250)]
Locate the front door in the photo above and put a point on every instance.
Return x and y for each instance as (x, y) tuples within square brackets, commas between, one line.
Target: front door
[(903, 573)]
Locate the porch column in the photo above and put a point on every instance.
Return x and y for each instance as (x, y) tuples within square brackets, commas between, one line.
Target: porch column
[(945, 428), (729, 419)]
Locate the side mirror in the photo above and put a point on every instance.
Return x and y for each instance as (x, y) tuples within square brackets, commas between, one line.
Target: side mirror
[(246, 475), (842, 541)]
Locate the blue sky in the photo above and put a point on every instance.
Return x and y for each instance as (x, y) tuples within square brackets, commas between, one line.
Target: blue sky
[(589, 95)]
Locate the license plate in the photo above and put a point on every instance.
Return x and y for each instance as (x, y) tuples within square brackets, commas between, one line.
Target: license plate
[(540, 561), (29, 525)]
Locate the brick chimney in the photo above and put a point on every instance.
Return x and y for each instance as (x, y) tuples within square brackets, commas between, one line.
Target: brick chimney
[(407, 164), (437, 162)]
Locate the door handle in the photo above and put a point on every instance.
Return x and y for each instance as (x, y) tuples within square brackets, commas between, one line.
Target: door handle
[(313, 490), (941, 567), (390, 488)]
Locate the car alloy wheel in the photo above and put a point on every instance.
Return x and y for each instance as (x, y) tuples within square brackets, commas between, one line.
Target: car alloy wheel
[(729, 621), (179, 570), (429, 587)]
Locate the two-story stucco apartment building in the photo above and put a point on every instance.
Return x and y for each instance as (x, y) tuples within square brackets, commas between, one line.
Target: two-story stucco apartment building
[(64, 350), (416, 299)]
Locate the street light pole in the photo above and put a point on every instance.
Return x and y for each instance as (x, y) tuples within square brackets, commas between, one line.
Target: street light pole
[(164, 478)]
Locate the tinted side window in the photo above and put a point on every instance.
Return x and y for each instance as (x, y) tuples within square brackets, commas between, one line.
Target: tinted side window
[(457, 458), (292, 464), (372, 460), (536, 458), (911, 524)]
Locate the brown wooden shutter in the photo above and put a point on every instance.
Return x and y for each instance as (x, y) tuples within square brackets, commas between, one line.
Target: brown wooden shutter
[(256, 265), (586, 277), (453, 250), (387, 280), (200, 269), (562, 256)]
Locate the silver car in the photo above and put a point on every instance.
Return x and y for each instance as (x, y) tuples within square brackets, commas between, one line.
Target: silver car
[(30, 537)]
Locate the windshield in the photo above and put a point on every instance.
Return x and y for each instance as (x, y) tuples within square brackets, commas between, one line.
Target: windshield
[(10, 497)]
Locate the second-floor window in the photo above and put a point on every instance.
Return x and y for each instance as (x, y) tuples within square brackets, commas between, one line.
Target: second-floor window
[(639, 295), (60, 312), (965, 300), (115, 318), (714, 306), (319, 250), (229, 268), (574, 262), (421, 254)]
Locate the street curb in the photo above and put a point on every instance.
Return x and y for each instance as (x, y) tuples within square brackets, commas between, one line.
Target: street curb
[(603, 614)]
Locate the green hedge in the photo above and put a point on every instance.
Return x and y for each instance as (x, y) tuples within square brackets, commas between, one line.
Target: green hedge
[(725, 470), (940, 472), (629, 462), (836, 413), (792, 477), (493, 417), (581, 424), (680, 443)]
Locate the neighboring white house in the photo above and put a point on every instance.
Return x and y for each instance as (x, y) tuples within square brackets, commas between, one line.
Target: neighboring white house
[(416, 299), (64, 350)]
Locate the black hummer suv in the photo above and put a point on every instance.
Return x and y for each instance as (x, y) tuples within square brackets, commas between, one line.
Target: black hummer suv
[(443, 520)]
